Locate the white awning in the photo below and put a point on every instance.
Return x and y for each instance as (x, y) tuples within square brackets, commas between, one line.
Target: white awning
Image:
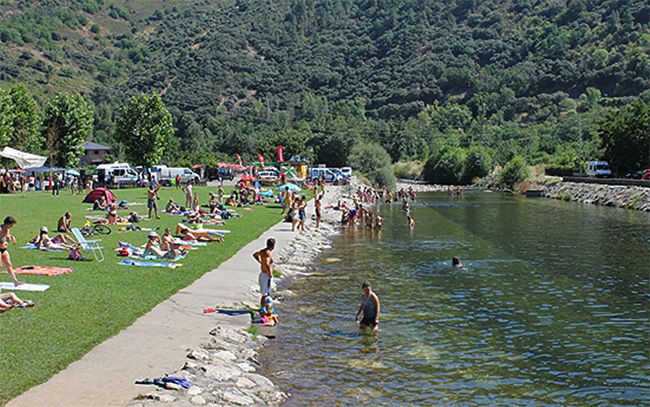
[(24, 160)]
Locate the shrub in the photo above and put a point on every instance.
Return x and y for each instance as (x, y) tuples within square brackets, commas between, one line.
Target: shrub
[(514, 171), (408, 169), (448, 169), (373, 161), (478, 164)]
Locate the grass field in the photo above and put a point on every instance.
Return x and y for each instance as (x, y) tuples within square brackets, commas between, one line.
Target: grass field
[(96, 300)]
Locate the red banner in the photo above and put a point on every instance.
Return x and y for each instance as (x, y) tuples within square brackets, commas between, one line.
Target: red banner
[(239, 159), (259, 157), (280, 151)]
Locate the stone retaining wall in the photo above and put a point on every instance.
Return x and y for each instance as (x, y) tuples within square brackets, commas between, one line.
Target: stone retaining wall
[(631, 197)]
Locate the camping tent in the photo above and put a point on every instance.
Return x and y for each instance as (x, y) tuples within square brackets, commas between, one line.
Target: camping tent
[(97, 193), (23, 160)]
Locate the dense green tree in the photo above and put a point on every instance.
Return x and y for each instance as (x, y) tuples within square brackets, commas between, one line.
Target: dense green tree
[(370, 159), (625, 137), (478, 163), (516, 170), (6, 118), (67, 122), (446, 168), (26, 120), (143, 127)]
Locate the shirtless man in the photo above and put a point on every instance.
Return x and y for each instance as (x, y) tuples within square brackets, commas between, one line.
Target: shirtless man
[(152, 200), (265, 258)]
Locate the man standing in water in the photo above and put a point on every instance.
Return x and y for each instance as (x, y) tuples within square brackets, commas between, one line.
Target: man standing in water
[(370, 307), (265, 258)]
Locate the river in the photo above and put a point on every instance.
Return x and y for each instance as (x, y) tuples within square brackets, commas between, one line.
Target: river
[(551, 308)]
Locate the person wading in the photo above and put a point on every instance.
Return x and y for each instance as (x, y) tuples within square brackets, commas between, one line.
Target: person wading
[(370, 307)]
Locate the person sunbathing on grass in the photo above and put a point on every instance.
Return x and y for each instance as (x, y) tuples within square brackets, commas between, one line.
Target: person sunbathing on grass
[(197, 235), (168, 243), (43, 241), (11, 300), (171, 207), (63, 225), (154, 247)]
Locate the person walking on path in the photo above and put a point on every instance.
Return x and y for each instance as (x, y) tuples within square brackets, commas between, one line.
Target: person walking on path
[(265, 258), (370, 307), (152, 200), (5, 238)]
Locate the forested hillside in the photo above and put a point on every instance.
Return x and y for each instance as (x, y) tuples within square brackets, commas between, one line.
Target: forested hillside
[(417, 76)]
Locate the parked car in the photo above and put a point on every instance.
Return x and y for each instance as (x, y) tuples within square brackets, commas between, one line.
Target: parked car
[(598, 169), (268, 177), (220, 174), (646, 174), (168, 174), (346, 171), (332, 175)]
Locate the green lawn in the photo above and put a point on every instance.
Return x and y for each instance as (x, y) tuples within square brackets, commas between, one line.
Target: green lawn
[(97, 300)]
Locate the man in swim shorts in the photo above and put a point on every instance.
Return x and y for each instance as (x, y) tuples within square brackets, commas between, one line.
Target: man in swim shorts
[(370, 307), (265, 258), (152, 200)]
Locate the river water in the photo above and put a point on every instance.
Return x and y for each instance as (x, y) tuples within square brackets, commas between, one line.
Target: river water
[(551, 308)]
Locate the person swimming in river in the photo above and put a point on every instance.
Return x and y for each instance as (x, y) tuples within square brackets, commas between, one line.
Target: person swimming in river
[(370, 307), (411, 221), (455, 262)]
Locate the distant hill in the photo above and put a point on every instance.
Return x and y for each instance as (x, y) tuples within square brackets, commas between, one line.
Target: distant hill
[(399, 54)]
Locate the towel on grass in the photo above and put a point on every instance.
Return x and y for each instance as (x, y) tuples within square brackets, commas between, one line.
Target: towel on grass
[(138, 263), (32, 246), (43, 270), (23, 287)]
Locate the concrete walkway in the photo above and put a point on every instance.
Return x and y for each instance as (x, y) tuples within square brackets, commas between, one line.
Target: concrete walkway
[(157, 342)]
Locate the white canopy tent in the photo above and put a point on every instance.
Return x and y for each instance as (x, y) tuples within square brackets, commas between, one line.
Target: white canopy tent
[(24, 160)]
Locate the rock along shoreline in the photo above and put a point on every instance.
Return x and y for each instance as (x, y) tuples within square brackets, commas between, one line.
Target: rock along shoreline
[(223, 370)]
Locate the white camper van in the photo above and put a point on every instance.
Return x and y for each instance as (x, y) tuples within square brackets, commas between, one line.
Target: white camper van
[(116, 174)]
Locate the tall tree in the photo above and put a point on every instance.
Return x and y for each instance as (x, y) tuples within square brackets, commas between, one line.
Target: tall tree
[(68, 122), (6, 116), (144, 126), (625, 136), (26, 120)]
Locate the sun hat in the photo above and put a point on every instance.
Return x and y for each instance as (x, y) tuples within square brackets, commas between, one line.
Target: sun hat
[(44, 229)]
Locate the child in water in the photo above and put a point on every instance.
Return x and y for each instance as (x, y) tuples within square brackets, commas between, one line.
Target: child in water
[(267, 312)]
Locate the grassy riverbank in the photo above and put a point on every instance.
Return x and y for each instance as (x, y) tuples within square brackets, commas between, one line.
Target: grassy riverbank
[(97, 300)]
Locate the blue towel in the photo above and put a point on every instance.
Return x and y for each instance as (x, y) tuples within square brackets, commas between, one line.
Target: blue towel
[(138, 263)]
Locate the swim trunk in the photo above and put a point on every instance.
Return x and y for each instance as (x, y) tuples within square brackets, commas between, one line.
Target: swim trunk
[(265, 283), (370, 322), (152, 204), (302, 215)]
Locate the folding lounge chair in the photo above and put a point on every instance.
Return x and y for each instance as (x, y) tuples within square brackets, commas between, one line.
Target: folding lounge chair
[(92, 245)]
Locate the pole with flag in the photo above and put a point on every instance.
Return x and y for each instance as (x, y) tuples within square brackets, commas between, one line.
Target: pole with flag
[(280, 152)]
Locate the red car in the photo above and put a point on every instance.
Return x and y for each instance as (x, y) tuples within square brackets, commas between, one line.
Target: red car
[(646, 174)]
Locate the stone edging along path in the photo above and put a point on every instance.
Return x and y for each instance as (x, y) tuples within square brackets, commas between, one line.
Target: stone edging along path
[(159, 341)]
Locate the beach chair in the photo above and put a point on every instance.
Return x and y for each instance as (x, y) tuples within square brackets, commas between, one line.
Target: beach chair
[(92, 245)]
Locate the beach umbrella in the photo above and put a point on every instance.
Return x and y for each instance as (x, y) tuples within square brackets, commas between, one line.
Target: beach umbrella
[(292, 187), (73, 173)]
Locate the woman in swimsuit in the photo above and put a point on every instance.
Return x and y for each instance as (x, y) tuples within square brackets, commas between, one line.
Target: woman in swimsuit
[(196, 235), (154, 247), (64, 224), (5, 238), (370, 307), (42, 240)]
